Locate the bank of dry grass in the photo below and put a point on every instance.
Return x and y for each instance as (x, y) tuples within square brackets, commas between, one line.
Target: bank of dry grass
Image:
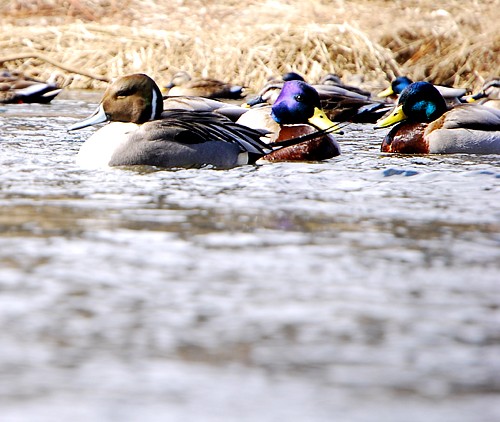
[(457, 43)]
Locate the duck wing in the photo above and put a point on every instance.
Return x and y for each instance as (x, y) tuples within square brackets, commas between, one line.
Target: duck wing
[(193, 103), (471, 116), (188, 127)]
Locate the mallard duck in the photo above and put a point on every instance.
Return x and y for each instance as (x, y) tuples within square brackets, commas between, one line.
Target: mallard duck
[(18, 88), (339, 103), (296, 111), (269, 92), (427, 125), (183, 84), (489, 95), (451, 95)]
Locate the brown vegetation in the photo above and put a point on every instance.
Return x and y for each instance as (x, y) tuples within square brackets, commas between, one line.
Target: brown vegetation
[(455, 43)]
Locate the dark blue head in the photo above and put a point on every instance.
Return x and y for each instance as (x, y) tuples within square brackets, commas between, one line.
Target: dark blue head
[(422, 102), (419, 102), (296, 103), (400, 83)]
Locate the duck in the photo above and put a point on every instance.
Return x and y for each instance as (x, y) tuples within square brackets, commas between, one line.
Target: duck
[(140, 132), (335, 80), (295, 112), (17, 88), (489, 95), (183, 84), (427, 125), (339, 103), (194, 103), (451, 95), (271, 89)]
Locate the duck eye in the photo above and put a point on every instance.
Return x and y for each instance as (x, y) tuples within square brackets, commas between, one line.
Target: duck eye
[(123, 93), (299, 98)]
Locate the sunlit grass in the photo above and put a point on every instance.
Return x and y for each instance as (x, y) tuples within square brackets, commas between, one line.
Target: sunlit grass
[(455, 43)]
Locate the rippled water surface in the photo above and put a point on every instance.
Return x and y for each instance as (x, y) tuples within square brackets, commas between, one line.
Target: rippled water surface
[(363, 288)]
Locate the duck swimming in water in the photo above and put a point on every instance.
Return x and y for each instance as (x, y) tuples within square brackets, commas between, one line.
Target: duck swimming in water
[(451, 95), (141, 133), (426, 125), (296, 112), (339, 103), (182, 84), (16, 88), (489, 95)]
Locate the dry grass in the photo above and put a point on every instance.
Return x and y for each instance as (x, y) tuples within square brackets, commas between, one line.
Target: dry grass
[(246, 42)]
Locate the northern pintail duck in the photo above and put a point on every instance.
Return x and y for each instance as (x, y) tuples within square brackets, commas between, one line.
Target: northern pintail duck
[(489, 95), (451, 95), (427, 125), (296, 111), (182, 84), (18, 88), (140, 133)]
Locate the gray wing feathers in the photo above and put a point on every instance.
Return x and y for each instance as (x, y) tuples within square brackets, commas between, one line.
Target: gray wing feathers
[(473, 116)]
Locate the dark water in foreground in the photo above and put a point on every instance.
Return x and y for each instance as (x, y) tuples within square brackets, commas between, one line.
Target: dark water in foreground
[(364, 288)]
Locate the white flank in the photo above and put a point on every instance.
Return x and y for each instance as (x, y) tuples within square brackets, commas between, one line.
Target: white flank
[(97, 151)]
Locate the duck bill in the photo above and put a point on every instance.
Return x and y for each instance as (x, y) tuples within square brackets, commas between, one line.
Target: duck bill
[(396, 116), (320, 120), (475, 97), (386, 93), (99, 116)]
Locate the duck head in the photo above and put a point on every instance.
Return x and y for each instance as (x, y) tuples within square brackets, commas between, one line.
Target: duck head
[(299, 103), (419, 102), (397, 87), (133, 98), (180, 78)]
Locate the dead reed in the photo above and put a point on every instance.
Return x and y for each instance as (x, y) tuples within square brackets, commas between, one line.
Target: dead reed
[(88, 43)]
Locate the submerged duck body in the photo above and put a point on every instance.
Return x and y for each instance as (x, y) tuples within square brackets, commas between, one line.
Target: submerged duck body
[(296, 112), (16, 88), (425, 125), (141, 133)]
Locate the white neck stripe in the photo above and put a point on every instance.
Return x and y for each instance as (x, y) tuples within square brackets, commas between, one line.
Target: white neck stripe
[(153, 105)]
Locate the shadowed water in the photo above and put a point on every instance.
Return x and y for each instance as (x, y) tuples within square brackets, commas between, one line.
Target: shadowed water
[(361, 288)]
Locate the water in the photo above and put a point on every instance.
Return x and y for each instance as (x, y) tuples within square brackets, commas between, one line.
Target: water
[(362, 288)]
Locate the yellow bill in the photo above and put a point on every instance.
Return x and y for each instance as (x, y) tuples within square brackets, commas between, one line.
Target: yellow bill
[(397, 115), (320, 120), (386, 92)]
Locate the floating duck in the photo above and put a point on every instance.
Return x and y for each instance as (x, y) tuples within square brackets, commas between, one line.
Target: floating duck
[(427, 125), (338, 102), (297, 111), (16, 88), (141, 133), (335, 80), (451, 95), (183, 84), (489, 95)]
